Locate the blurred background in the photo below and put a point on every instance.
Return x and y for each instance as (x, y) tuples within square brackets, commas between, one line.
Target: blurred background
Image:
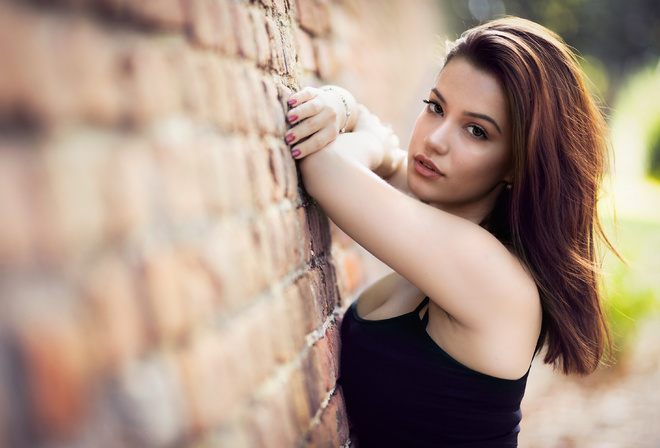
[(619, 48), (163, 280)]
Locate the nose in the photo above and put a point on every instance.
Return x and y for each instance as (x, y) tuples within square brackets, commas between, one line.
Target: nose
[(437, 138)]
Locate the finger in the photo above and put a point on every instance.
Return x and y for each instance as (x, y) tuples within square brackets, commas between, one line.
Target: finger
[(325, 119), (306, 110), (302, 96), (314, 143)]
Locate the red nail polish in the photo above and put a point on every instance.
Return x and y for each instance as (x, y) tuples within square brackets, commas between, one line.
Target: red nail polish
[(291, 102), (295, 153), (289, 138), (292, 118)]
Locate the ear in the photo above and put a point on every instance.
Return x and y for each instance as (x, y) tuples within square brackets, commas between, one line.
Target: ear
[(509, 177)]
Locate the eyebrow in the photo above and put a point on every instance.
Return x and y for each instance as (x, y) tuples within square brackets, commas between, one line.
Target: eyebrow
[(470, 114)]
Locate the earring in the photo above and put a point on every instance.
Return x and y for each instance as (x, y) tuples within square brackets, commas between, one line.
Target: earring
[(508, 186)]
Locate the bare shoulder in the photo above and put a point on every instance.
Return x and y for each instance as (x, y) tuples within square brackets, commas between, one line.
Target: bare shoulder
[(499, 336)]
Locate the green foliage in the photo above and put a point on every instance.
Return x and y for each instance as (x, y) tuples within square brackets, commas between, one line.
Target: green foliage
[(654, 151), (633, 291)]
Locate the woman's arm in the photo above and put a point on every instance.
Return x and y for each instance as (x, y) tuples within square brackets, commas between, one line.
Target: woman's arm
[(458, 264)]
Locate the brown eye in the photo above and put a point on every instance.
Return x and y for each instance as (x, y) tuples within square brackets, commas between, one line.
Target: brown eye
[(434, 107), (477, 132)]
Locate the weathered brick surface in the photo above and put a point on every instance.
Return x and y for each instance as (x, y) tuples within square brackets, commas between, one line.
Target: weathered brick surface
[(164, 278)]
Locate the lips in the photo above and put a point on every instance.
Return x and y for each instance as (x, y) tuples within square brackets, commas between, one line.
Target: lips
[(426, 168)]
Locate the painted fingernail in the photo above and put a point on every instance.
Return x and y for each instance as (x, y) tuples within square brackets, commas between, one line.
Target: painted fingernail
[(292, 118), (291, 102), (295, 153), (289, 138)]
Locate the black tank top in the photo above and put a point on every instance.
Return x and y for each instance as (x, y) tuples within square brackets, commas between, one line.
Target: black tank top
[(402, 390)]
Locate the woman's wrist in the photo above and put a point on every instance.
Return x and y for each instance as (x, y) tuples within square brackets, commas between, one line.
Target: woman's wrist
[(347, 111), (347, 108)]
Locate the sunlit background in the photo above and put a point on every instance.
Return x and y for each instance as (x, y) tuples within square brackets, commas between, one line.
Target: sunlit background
[(619, 47)]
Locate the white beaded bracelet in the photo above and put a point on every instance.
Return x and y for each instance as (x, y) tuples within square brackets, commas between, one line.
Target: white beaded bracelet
[(343, 100)]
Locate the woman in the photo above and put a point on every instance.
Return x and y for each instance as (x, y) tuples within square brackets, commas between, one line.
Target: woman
[(491, 231)]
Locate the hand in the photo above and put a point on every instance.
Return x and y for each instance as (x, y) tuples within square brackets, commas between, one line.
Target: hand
[(317, 116), (387, 140)]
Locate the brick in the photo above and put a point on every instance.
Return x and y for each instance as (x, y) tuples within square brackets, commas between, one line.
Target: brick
[(262, 117), (305, 50), (116, 314), (198, 289), (332, 429), (211, 392), (263, 253), (51, 338), (323, 285), (308, 254), (125, 185), (276, 47), (209, 24), (319, 232), (230, 259), (31, 88), (234, 171), (244, 33), (94, 86), (276, 108), (333, 339), (259, 352), (261, 39), (149, 400), (281, 7), (225, 35), (19, 203), (258, 170), (74, 220), (276, 152), (300, 402), (302, 312), (217, 91), (160, 281), (272, 422), (312, 302), (325, 368), (281, 341), (188, 79), (150, 91), (236, 435), (200, 20), (289, 52), (177, 177), (161, 14), (314, 16), (216, 186), (245, 250), (241, 101), (314, 388), (275, 238), (293, 237)]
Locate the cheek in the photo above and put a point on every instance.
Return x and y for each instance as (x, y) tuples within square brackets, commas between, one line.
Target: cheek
[(417, 136)]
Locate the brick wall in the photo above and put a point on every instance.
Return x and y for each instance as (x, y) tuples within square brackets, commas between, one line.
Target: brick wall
[(164, 279)]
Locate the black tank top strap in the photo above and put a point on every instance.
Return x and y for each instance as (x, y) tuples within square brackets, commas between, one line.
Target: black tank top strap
[(421, 305)]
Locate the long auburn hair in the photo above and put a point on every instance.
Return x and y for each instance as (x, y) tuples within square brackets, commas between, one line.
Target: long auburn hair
[(560, 152)]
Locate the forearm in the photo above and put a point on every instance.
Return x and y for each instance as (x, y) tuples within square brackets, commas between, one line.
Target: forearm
[(358, 147)]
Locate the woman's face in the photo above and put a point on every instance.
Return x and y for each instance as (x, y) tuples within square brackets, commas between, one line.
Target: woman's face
[(459, 157)]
